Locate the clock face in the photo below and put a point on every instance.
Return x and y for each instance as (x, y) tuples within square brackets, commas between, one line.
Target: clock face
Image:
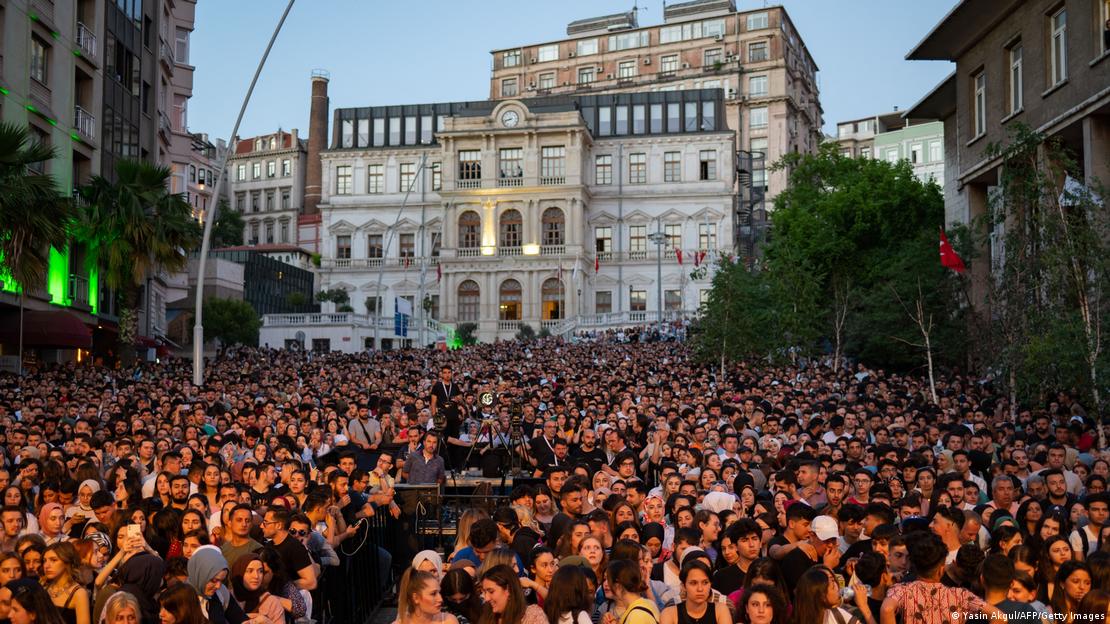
[(510, 118)]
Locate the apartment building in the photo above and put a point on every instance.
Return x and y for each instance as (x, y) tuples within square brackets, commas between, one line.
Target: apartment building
[(921, 144), (856, 137), (755, 56), (505, 213), (1041, 63), (266, 177)]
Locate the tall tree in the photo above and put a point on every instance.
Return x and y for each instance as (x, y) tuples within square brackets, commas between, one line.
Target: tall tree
[(227, 231), (33, 216), (231, 321), (132, 228), (736, 322)]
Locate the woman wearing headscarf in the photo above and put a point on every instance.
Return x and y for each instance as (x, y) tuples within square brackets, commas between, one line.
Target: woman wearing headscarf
[(429, 561), (51, 523), (247, 582), (82, 507), (208, 575), (141, 576)]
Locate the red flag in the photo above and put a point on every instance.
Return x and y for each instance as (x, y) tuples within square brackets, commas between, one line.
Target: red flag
[(597, 263), (678, 254), (699, 256), (439, 272), (948, 256)]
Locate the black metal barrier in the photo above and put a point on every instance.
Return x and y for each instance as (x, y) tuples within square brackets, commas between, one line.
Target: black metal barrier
[(352, 592)]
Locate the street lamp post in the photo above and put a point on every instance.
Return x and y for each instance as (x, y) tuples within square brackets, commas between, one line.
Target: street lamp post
[(198, 315), (659, 238)]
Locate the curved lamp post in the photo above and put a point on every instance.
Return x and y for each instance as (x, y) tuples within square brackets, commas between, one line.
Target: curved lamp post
[(198, 318)]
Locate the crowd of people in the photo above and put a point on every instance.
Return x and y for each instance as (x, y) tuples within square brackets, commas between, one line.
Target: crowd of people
[(664, 491)]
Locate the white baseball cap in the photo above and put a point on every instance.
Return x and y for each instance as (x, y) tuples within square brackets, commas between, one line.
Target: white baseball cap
[(825, 528)]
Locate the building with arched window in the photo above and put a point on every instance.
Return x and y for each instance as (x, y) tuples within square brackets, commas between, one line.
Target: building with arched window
[(527, 211)]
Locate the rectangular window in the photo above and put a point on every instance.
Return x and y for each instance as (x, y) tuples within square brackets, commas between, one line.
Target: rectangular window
[(437, 177), (408, 245), (622, 120), (547, 81), (637, 300), (374, 246), (408, 176), (691, 116), (241, 172), (343, 247), (40, 60), (271, 169), (347, 133), (672, 167), (707, 236), (437, 243), (637, 168), (757, 52), (637, 242), (707, 169), (626, 69), (865, 152), (656, 118), (256, 170), (256, 202), (343, 180), (286, 168), (553, 161), (1017, 81), (668, 63), (510, 161), (394, 130), (284, 232), (375, 179), (628, 41), (673, 232), (240, 202), (508, 87), (510, 59), (713, 57), (603, 240), (181, 39), (674, 122), (587, 47), (426, 129), (979, 103), (709, 115), (1104, 29), (285, 197), (363, 133), (757, 21), (603, 169), (410, 130), (548, 53), (757, 86), (605, 121), (916, 153), (758, 117), (638, 119), (603, 302), (379, 132), (672, 300), (1058, 47), (936, 152), (470, 165), (585, 75), (713, 28), (269, 232)]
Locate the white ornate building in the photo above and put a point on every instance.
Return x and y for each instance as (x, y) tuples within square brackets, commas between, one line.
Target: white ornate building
[(535, 211)]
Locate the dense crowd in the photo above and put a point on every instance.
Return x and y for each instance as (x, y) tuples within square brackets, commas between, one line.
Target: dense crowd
[(664, 490)]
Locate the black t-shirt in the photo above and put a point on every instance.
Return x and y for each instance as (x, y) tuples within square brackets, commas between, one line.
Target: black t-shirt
[(262, 499), (294, 555), (793, 566), (445, 403), (728, 579), (595, 458), (861, 546)]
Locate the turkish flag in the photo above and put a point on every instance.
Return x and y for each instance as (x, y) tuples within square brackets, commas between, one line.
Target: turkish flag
[(439, 272), (948, 256), (597, 263), (678, 254)]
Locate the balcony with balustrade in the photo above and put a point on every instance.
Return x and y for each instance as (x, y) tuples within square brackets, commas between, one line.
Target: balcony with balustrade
[(84, 122), (86, 41)]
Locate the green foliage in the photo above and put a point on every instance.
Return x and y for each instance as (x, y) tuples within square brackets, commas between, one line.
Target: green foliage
[(852, 240), (526, 333), (133, 227), (544, 333), (1048, 302), (466, 334), (296, 299), (227, 231), (346, 307), (231, 321), (33, 216), (316, 258), (337, 296)]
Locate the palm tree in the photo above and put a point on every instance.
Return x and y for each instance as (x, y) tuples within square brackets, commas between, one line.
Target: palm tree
[(132, 228), (33, 216)]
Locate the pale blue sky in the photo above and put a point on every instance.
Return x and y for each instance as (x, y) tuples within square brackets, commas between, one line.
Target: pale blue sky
[(409, 52)]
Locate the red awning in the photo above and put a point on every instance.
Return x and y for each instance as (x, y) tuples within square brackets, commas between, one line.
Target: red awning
[(46, 329)]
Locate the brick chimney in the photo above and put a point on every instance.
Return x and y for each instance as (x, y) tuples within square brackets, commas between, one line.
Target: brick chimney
[(317, 140)]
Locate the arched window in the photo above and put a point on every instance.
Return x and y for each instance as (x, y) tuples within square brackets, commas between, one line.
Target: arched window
[(552, 295), (553, 226), (511, 225), (470, 230), (509, 300), (470, 298)]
